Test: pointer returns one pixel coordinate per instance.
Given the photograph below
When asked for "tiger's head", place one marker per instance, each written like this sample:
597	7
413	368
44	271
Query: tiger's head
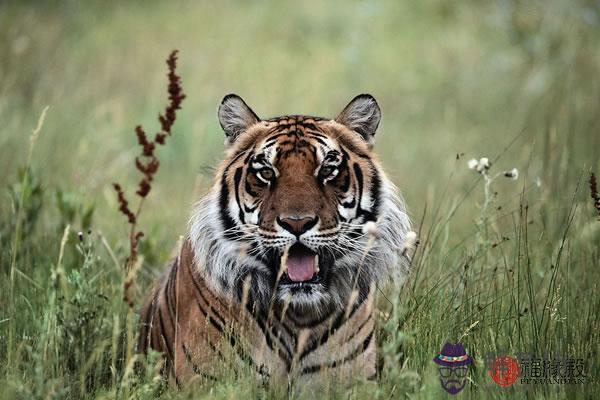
285	220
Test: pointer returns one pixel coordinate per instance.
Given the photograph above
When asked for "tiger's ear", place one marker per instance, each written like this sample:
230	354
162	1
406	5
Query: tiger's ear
235	116
362	115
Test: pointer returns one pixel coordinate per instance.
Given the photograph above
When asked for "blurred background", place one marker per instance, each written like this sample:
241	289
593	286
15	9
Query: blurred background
515	81
464	78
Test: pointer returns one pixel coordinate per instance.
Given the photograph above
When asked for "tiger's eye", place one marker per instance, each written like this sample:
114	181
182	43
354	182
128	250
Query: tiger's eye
326	171
267	174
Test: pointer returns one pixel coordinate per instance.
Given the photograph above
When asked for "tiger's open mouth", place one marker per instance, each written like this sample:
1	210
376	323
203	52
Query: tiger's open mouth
301	266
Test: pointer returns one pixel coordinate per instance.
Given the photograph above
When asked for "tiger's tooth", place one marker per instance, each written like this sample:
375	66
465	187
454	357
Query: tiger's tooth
317	269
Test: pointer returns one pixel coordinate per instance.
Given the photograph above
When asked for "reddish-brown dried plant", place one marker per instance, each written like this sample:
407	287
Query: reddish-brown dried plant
594	192
147	162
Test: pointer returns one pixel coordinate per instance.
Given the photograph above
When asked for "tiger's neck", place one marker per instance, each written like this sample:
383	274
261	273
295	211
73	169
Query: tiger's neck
282	319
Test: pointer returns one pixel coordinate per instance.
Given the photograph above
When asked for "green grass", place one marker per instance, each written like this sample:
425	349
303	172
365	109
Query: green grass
513	81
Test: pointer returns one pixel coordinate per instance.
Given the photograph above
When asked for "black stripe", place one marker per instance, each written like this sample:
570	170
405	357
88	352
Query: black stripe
246	357
299	118
249	189
343	167
237	178
169	291
340	319
311	323
345	185
195	368
162	334
375	190
210	307
247	159
244	274
354	150
308	125
198	289
233	343
147	326
315	133
321	141
232	338
359	350
287	356
289	331
362	325
212	321
349	204
155	332
325	235
366	214
359	180
226	219
270	141
237	157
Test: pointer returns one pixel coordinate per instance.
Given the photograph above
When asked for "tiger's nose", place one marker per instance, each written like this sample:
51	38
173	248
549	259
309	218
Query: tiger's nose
297	226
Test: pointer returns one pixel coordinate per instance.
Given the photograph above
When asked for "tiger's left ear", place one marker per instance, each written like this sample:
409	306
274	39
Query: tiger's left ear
235	117
362	115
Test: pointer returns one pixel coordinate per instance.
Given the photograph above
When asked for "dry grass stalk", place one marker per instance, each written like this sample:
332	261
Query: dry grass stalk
594	193
147	164
17	233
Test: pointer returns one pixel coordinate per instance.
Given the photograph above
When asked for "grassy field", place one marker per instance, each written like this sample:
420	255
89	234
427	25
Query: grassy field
505	267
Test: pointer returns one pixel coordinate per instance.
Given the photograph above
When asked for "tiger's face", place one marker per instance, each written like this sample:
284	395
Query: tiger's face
285	220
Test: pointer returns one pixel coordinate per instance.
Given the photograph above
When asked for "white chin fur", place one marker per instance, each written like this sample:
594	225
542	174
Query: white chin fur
315	298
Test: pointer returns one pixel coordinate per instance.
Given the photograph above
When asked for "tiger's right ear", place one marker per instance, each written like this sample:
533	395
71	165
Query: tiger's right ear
362	115
235	117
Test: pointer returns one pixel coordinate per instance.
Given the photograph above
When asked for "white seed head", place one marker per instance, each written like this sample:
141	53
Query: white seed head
512	174
410	242
484	163
480	166
411	239
371	229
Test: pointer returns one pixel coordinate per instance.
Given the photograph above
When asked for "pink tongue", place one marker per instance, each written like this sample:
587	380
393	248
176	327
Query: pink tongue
300	266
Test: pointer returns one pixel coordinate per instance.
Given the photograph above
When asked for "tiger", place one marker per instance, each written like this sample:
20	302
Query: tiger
278	270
